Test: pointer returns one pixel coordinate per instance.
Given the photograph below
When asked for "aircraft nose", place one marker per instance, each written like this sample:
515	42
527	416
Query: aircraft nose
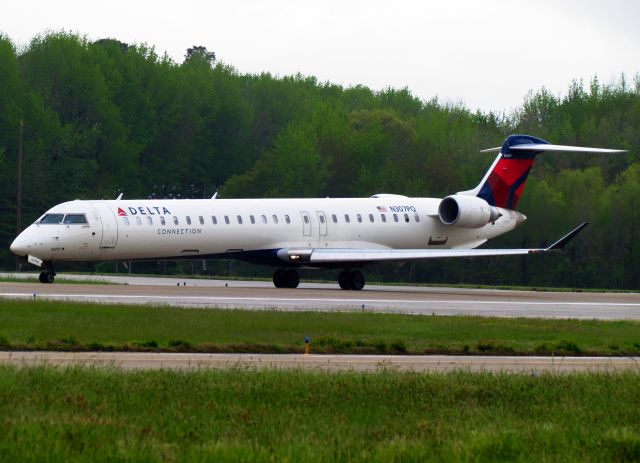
19	246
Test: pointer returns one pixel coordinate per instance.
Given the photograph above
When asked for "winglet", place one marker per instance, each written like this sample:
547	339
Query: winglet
566	238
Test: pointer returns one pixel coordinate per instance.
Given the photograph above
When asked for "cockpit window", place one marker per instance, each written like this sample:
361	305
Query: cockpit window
75	218
51	218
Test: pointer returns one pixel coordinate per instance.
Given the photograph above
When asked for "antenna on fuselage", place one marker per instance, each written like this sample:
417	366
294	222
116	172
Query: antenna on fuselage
119	197
215	195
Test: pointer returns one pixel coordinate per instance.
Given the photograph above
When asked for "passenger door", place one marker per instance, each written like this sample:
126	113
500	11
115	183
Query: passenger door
306	223
109	225
322	224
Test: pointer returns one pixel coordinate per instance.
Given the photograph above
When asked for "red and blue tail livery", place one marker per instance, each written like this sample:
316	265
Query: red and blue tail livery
504	182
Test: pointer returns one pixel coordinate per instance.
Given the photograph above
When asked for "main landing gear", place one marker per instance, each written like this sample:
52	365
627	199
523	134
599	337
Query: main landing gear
351	279
288	278
47	275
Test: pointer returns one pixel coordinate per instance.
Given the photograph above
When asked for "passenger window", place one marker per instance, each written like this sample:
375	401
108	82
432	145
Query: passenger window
149	220
264	219
214	220
188	220
201	220
306	219
126	220
417	217
334	218
138	221
322	219
162	221
252	219
75	218
395	217
226	219
275	218
175	220
371	218
383	217
359	217
287	219
406	218
346	218
240	219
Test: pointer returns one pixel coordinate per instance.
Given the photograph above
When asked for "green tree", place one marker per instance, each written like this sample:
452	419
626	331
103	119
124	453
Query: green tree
294	167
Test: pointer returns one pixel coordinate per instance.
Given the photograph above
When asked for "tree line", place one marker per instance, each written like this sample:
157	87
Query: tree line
105	117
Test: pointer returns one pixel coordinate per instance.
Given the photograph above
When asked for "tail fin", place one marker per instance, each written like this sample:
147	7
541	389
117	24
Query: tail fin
503	183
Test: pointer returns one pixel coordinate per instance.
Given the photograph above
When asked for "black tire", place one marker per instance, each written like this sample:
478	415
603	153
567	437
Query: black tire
292	278
344	279
357	280
279	278
46	277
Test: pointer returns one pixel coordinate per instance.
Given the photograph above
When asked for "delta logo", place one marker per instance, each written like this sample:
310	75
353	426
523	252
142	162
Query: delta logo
144	210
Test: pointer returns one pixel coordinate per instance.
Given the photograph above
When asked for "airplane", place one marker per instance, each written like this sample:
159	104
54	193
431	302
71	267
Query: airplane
343	233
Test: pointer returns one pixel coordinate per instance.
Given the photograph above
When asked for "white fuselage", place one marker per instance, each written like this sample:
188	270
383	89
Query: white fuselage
198	228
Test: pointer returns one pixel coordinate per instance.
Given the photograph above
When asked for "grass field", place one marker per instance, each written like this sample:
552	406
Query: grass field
83	414
82	326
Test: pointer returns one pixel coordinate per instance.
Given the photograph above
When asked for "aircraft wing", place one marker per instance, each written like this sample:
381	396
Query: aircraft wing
362	255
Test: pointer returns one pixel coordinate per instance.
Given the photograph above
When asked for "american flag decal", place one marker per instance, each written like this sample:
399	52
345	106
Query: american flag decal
382	209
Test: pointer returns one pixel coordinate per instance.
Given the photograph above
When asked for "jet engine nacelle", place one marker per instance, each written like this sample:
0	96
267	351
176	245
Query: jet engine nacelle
466	211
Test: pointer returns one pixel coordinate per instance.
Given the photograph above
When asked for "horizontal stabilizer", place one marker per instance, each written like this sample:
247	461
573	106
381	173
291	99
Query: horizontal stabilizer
491	150
549	147
504	182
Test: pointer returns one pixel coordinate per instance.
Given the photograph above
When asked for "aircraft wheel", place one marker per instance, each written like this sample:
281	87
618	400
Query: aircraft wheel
279	278
46	277
357	280
344	279
292	279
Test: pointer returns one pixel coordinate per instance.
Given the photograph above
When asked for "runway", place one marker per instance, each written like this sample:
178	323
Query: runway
436	363
328	297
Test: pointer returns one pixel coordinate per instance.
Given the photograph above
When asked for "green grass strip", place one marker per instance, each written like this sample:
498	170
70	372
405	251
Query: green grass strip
61	279
84	414
85	326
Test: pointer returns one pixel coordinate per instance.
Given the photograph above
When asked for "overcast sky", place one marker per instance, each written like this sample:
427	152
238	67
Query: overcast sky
487	54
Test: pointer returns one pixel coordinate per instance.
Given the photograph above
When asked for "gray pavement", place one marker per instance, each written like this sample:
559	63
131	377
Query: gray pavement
328	297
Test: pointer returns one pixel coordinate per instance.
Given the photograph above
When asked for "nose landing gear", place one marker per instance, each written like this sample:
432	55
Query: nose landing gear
47	275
